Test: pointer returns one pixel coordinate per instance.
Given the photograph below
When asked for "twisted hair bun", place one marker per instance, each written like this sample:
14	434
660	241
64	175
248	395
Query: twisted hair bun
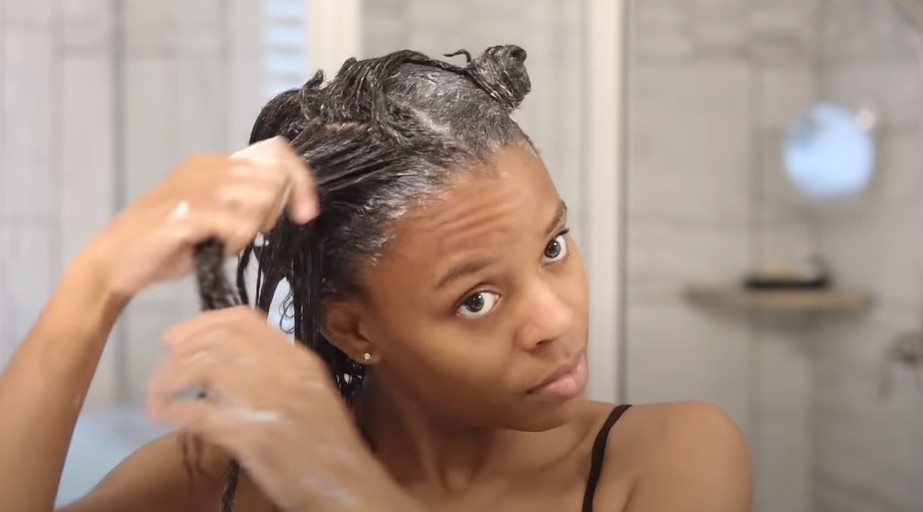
501	72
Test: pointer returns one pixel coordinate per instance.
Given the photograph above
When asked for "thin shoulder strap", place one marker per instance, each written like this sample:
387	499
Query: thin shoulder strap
598	455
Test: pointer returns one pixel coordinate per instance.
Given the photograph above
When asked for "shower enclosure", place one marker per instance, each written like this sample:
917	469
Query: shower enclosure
824	382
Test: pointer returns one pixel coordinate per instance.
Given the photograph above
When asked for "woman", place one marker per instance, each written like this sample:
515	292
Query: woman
435	281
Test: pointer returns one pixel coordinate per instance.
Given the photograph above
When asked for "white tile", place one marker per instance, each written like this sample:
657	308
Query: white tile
868	448
776	199
784	94
878	256
140	13
150	123
783	465
668	46
662	30
426	13
245	72
690	142
87	12
28	173
666	257
783	372
150	27
99	39
246	99
244	33
87	25
202	103
891	87
722	35
87	150
200	42
29	275
844	32
201	13
676	352
28	13
894	191
788	243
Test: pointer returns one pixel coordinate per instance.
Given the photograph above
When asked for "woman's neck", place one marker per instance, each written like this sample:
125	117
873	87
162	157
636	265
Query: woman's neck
420	449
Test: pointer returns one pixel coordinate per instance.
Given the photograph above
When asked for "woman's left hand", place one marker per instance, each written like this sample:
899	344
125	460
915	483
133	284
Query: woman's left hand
271	405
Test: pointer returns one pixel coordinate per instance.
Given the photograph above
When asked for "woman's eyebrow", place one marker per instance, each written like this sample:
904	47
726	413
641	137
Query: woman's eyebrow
557	220
475	266
464	269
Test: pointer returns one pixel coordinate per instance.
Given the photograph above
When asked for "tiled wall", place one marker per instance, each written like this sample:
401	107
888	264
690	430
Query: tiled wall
100	98
56	149
192	83
869	445
713	84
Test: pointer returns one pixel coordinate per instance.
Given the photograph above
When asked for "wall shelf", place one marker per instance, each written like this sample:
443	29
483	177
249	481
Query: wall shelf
788	300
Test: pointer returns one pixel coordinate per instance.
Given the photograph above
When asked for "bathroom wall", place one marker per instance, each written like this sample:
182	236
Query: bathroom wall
868	445
712	85
57	129
101	98
192	75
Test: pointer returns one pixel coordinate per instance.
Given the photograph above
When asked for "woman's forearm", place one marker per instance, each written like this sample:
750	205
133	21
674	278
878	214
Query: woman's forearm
44	386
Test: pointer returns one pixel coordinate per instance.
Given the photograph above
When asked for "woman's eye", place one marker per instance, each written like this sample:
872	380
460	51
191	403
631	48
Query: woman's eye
478	305
556	250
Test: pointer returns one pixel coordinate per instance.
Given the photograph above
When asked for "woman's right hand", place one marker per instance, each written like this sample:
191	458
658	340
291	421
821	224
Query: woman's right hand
231	198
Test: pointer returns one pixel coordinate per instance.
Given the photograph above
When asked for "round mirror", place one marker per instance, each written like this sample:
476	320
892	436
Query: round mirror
830	152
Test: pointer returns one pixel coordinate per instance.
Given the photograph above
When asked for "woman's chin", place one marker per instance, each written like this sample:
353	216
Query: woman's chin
547	416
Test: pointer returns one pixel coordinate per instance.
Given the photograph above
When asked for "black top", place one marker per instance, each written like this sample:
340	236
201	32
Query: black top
599	454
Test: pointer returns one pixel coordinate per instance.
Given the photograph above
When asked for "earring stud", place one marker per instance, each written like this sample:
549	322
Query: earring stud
366	357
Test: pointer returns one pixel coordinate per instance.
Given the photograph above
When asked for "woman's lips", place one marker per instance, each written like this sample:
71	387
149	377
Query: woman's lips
564	384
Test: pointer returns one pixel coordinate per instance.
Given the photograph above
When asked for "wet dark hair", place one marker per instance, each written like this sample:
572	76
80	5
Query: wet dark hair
381	135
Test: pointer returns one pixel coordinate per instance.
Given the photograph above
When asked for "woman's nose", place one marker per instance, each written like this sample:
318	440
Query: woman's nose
547	317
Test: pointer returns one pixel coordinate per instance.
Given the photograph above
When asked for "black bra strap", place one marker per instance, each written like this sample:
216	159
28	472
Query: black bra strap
599	455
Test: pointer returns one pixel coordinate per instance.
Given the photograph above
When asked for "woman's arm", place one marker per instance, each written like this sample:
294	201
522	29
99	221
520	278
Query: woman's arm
43	388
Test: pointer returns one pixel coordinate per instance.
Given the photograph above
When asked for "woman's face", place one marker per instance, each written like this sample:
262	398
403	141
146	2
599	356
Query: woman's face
480	299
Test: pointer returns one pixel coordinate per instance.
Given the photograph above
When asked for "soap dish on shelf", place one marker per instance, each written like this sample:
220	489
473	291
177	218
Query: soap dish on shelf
795	300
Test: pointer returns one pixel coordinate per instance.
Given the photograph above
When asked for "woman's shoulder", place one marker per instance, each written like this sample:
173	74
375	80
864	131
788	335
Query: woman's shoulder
690	452
173	472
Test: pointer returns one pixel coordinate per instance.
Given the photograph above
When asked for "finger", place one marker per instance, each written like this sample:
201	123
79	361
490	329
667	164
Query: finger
236	229
262	200
276	154
181	378
227	319
302	202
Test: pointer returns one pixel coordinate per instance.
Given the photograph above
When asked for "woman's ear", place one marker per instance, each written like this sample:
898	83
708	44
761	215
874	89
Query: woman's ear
343	328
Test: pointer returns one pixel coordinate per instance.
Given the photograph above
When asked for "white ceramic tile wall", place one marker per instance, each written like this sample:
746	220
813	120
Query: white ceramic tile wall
56	142
70	155
192	84
680	167
868	447
713	85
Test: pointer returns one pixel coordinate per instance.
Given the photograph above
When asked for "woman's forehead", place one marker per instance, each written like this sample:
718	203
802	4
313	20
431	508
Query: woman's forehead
479	213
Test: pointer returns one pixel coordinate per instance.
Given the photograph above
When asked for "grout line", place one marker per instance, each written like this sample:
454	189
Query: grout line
119	159
5	349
